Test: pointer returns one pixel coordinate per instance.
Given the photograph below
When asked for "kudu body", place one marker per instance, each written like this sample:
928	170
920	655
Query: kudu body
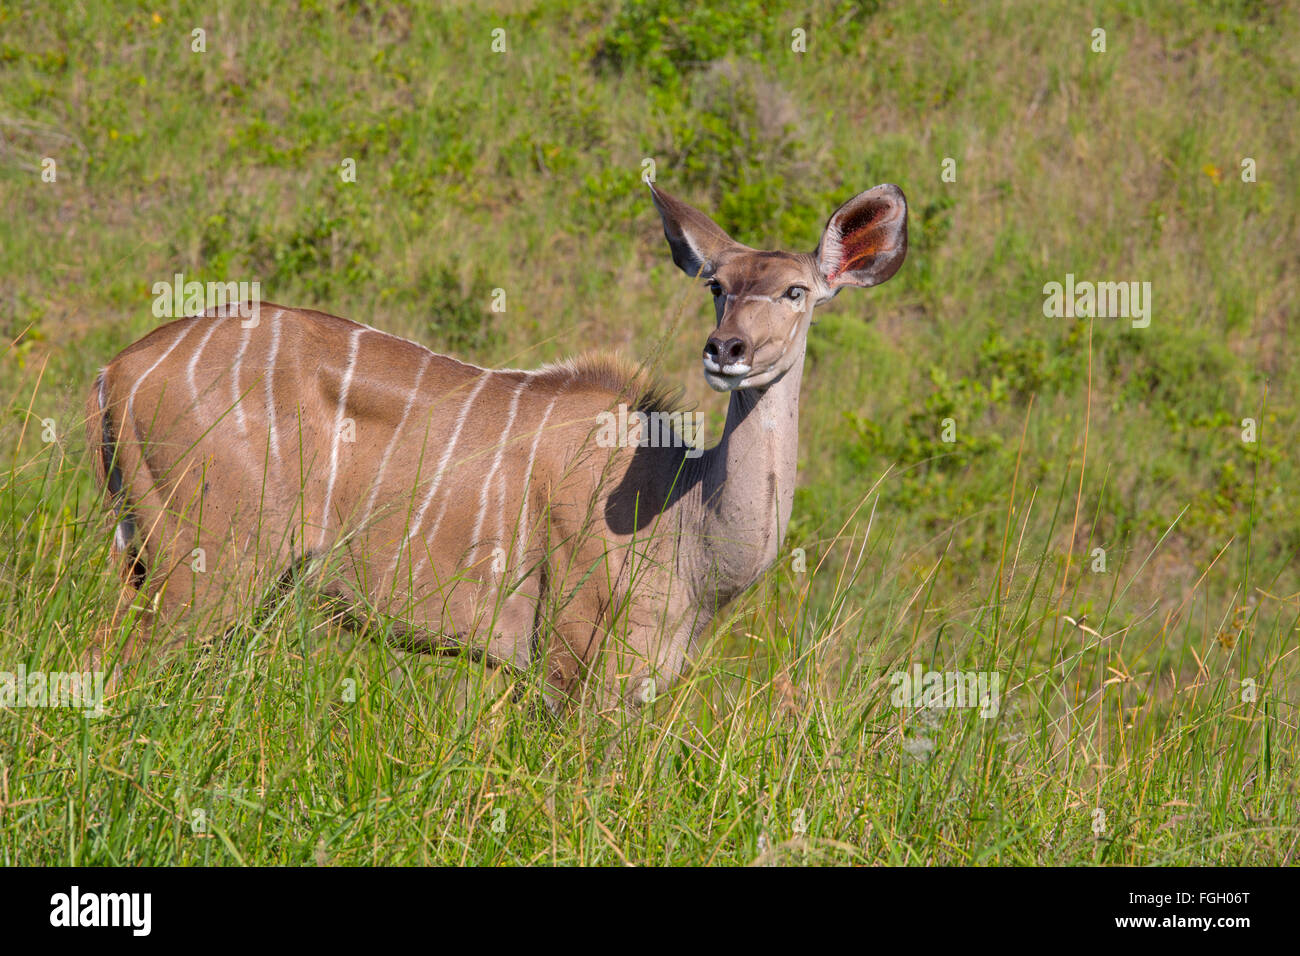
471	507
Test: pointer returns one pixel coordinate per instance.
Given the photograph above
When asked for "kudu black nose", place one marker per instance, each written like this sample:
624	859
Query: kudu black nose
733	351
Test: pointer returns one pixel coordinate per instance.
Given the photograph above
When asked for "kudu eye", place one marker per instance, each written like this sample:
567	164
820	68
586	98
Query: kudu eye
796	293
715	289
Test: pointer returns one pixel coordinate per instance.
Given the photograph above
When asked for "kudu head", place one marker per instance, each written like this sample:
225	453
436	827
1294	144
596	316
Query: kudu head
764	300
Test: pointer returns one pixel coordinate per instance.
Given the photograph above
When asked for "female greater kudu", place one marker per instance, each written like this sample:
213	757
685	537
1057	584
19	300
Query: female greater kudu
474	507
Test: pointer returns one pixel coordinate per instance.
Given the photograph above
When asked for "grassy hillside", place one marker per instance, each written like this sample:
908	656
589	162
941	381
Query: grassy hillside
1155	681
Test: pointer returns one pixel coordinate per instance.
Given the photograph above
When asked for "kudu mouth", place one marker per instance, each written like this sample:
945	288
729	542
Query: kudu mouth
726	378
734	361
742	375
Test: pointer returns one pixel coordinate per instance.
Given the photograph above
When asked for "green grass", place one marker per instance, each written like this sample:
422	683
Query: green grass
295	742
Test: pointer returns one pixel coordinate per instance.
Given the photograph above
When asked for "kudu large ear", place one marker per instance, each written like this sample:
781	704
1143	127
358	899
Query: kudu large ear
866	239
697	242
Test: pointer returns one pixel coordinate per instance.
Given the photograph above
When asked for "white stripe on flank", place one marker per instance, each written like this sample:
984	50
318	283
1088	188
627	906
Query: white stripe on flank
521	533
446	500
130	400
194	359
392	442
270	394
339	415
236	398
442	465
492	472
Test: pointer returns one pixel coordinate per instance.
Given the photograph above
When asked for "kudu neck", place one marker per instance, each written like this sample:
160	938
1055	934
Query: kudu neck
749	478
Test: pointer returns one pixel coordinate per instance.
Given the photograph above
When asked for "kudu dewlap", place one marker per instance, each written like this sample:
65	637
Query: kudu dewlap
471	508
